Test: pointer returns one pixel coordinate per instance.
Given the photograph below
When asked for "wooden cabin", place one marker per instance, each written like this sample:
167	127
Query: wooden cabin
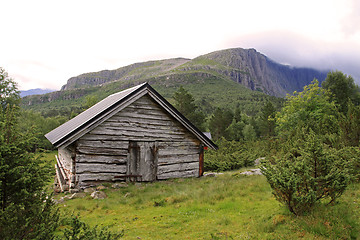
133	135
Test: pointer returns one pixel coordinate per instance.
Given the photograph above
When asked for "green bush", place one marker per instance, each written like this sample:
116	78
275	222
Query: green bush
230	155
79	230
307	172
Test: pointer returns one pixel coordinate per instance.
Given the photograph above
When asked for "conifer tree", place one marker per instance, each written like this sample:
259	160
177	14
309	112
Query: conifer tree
185	103
26	211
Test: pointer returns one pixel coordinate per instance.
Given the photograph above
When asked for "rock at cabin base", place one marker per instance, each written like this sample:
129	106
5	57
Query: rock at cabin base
256	171
98	195
100	187
119	185
89	190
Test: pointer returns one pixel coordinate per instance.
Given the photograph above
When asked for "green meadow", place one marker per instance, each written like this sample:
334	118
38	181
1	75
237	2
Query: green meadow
228	206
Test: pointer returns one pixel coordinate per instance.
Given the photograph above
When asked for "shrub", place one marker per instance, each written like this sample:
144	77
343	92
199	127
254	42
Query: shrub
79	230
306	173
230	155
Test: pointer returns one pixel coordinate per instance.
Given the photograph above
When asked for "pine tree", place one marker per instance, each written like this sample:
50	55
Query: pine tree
185	103
26	211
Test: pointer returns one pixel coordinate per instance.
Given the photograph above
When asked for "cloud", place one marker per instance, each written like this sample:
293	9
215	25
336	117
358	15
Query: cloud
299	51
350	23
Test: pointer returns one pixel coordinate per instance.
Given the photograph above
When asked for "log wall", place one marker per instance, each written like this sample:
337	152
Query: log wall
103	153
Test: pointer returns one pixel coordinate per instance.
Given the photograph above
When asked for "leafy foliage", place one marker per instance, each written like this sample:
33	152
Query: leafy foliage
220	121
81	231
309	109
311	165
39	125
9	94
231	155
26	211
343	89
185	103
307	172
267	120
350	126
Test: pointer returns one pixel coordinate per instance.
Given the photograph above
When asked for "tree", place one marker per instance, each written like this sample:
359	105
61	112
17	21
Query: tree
185	103
9	94
343	89
306	172
26	211
308	166
235	131
310	109
267	120
220	121
249	133
90	101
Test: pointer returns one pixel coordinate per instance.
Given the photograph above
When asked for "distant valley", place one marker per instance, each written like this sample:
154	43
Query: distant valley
36	91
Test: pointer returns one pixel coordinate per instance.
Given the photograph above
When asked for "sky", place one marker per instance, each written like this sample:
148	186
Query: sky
44	43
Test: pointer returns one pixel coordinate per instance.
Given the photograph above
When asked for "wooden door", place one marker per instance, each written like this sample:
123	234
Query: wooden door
142	163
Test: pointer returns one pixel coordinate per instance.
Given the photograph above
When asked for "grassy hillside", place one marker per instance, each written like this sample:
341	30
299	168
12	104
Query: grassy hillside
209	90
229	206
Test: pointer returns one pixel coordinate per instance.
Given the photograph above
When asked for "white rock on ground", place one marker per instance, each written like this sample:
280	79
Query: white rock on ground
255	171
98	195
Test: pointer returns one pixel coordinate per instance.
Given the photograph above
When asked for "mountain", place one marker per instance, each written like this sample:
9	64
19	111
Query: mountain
244	66
36	91
229	78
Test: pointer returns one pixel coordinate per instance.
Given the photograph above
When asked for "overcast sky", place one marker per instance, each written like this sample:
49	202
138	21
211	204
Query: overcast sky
44	43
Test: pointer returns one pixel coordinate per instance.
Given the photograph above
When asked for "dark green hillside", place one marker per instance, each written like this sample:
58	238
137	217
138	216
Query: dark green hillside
209	90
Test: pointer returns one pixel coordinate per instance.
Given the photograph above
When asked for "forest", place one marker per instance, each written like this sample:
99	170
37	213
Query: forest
308	143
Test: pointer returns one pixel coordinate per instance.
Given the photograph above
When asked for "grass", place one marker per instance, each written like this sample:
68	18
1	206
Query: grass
229	206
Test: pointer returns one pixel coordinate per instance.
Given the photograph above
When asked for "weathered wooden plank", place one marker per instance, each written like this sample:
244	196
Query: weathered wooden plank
164	152
139	132
103	143
181	144
127	134
64	155
134	126
131	138
61	168
100	136
87	158
183	174
177	167
164	160
145	116
146	101
102	151
59	179
141	120
100	168
95	177
145	110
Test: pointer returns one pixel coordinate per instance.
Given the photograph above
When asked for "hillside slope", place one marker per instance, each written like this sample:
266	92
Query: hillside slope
227	78
244	66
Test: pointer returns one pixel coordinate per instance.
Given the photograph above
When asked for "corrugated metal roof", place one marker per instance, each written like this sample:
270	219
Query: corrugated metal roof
66	131
63	130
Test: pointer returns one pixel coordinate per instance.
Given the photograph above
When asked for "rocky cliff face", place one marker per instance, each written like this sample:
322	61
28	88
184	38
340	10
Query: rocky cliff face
257	72
244	66
134	71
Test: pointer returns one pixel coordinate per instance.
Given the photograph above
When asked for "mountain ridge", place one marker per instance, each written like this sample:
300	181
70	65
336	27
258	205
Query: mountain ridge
248	67
231	78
